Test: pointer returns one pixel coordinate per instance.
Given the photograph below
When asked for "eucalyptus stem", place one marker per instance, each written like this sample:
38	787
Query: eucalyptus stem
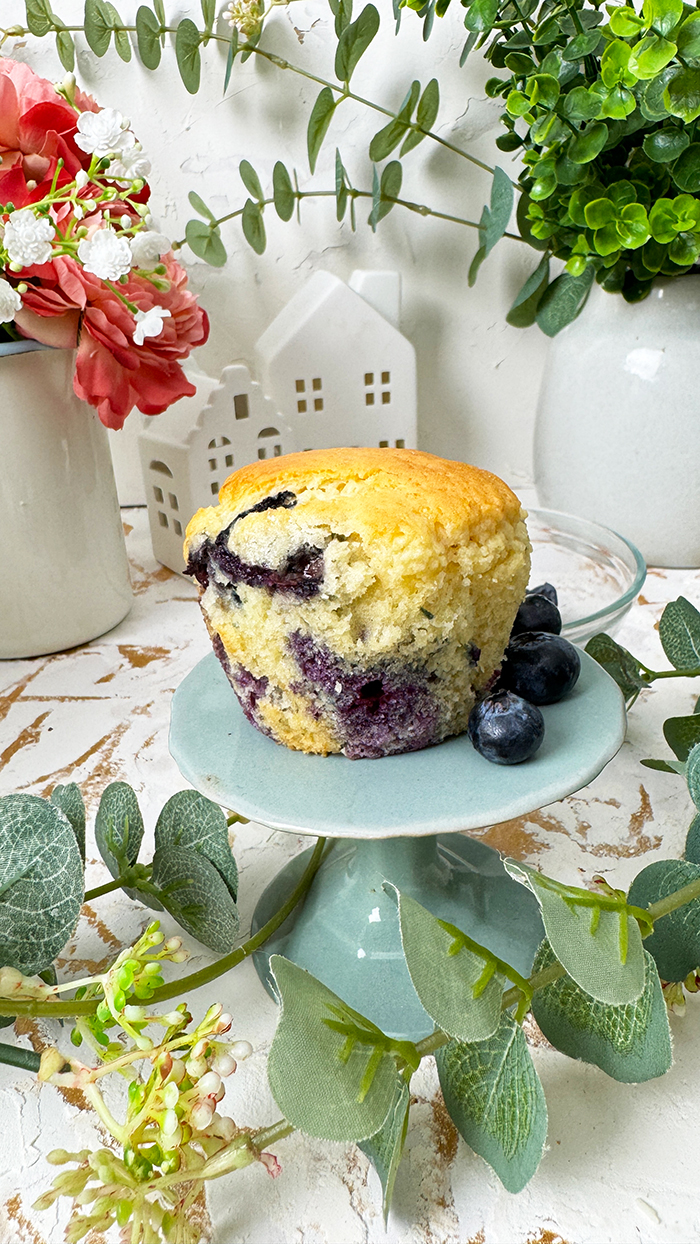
270	1135
16	1056
194	980
652	675
673	901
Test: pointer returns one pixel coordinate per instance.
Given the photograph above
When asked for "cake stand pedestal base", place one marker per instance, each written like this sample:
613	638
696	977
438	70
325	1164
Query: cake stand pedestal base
347	932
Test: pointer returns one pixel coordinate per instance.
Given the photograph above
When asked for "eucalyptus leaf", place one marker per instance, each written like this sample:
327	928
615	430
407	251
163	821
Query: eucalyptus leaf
341	190
663	766
119	830
682	734
389	189
563	301
679	632
70	801
426	115
495	1099
692	775
481	15
524	309
190	821
630	1043
230	56
250	180
194	892
121	38
97	26
692	842
500	208
316	1085
675	942
200	206
354	41
41	882
475	264
39	17
66	49
282	192
253	226
601	950
147	37
385	1148
618	663
445	981
187	54
319	121
205	242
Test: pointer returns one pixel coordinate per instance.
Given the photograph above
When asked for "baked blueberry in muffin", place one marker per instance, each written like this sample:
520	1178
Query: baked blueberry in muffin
360	599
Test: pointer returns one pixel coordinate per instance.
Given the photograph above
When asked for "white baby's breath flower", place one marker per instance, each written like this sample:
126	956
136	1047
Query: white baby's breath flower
147	248
78	211
131	165
105	255
104	133
10	302
81	179
28	238
149	323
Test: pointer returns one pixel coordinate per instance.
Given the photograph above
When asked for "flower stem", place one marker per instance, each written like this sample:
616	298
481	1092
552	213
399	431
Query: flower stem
16	1056
673	901
103	889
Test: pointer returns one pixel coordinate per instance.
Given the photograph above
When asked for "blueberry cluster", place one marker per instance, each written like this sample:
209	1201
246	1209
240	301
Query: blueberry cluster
539	667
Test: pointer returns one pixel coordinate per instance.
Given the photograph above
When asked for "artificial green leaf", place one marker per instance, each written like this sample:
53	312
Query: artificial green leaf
453	987
70	801
679	632
354	41
675	942
520	64
682	95
663	15
664	766
41	882
481	15
98	27
615	67
189	61
682	734
475	264
633	226
200	206
341	189
119	830
686	170
692	842
386	139
684	249
494	1097
518	105
692	774
688	37
547	32
253	226
208	8
617	103
543	89
40	18
580	105
601	950
205	242
306	1051
384	192
194	892
66	49
619	664
230	56
428	107
506	142
625	23
282	192
385	1148
665	145
563	300
585	146
319	121
190	821
121	38
250	180
524	309
147	37
630	1043
650	56
499	211
582	45
652	104
599	213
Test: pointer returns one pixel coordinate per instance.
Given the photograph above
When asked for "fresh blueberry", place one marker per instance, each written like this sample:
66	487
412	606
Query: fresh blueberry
537	613
544	589
542	668
505	729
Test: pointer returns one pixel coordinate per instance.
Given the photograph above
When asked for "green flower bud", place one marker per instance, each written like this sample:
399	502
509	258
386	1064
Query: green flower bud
124	1209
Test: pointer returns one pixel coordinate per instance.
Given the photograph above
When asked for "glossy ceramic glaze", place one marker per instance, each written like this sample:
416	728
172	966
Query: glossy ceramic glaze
617	438
65	568
438	790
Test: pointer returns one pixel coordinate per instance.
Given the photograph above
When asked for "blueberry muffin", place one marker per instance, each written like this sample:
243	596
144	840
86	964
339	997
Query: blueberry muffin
360	599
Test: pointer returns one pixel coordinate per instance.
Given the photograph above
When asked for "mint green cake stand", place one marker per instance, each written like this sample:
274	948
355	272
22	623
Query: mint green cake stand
396	819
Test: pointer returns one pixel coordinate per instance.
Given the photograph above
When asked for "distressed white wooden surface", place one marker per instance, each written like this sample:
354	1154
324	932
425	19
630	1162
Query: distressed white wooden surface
622	1164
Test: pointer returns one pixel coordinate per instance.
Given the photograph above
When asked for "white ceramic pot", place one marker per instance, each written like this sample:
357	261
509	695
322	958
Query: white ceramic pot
65	573
617	437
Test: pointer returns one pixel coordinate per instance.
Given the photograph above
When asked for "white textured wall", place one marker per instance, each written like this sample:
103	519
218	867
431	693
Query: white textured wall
477	378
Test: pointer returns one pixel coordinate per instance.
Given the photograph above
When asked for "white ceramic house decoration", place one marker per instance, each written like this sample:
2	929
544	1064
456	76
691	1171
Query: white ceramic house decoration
336	365
188	452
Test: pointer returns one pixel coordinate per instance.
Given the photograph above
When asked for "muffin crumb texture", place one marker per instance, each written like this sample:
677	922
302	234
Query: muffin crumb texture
360	599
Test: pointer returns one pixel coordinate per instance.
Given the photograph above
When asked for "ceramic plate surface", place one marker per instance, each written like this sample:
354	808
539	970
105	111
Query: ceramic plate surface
437	790
597	573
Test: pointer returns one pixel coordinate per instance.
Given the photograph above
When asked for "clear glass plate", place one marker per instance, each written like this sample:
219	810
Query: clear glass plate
597	573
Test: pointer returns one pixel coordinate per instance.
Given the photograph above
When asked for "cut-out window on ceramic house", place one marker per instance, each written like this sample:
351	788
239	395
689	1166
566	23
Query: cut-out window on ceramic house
271	448
161	467
309	395
241	406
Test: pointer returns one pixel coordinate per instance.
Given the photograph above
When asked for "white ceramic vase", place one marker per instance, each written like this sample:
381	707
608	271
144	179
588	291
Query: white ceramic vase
65	573
617	437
